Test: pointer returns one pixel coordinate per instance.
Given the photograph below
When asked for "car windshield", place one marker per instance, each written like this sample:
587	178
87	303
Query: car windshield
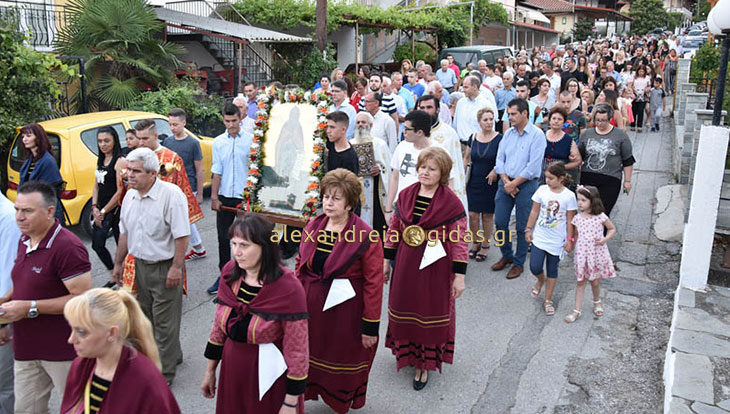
695	33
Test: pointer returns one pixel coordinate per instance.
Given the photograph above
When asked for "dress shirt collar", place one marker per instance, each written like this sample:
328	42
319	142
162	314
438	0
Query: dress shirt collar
152	193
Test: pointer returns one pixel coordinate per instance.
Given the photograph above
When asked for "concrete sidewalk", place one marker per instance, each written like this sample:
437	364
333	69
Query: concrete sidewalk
510	357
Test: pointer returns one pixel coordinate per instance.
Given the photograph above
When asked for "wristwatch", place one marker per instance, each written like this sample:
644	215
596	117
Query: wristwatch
33	312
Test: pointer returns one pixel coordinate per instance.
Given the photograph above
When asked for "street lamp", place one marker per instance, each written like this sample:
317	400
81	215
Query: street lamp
718	21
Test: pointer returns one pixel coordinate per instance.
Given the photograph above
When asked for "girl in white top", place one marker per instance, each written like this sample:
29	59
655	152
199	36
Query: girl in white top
550	230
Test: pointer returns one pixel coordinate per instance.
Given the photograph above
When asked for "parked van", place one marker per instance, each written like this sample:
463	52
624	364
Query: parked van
465	54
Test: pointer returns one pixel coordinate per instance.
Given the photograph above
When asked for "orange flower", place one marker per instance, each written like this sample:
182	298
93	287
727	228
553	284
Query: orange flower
322	125
256	138
312	200
261	104
252	152
253	171
315	164
312	186
249	184
323	110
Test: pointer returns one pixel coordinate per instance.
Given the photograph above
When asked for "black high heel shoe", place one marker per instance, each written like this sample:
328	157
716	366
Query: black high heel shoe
418	385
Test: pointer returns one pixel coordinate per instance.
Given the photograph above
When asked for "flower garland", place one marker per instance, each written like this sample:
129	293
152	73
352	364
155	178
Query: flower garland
267	98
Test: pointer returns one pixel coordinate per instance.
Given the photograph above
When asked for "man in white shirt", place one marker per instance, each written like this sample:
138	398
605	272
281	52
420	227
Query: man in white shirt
340	103
444	114
400	103
492	81
465	116
247	124
383	124
8	252
405	157
554	78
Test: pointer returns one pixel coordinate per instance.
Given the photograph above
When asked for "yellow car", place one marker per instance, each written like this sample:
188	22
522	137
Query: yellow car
73	140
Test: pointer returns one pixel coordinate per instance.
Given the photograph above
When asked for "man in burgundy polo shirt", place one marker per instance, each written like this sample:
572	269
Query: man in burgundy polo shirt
52	266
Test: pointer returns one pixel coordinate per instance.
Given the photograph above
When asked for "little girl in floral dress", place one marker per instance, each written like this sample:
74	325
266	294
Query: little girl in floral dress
591	260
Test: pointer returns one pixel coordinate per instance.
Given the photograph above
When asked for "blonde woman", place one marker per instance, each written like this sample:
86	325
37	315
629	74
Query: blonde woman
118	367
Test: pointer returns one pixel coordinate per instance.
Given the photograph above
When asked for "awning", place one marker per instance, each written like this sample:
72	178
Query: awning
241	31
533	15
535	27
601	13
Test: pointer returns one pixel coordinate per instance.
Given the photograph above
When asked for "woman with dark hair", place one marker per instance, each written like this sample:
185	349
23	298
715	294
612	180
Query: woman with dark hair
641	83
261	309
543	100
361	89
343	335
324	84
560	146
40	164
607	157
350	85
425	286
105	195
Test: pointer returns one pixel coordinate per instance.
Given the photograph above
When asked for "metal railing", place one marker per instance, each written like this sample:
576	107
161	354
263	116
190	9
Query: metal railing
708	85
39	22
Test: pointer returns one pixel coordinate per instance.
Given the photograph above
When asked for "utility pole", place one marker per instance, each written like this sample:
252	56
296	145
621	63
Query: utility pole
321	24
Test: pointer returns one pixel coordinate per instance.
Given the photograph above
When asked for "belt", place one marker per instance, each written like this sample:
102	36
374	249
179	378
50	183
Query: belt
152	262
512	178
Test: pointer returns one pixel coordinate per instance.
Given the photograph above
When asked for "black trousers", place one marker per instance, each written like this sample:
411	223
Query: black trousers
638	108
223	221
100	234
608	187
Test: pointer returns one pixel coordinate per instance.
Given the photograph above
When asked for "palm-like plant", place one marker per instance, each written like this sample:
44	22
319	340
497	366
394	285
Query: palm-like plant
122	55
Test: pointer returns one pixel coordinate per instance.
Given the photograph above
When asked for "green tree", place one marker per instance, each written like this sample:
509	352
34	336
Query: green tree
583	29
28	84
203	111
123	56
423	52
305	64
648	15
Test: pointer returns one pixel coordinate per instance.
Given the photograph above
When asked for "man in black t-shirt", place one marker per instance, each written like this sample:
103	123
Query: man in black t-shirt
340	153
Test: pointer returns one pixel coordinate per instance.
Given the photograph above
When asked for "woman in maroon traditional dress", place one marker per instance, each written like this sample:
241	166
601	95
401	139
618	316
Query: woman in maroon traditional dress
342	339
118	367
421	320
259	303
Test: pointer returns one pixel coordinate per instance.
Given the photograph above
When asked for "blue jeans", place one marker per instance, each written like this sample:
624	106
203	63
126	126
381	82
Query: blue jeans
503	204
538	257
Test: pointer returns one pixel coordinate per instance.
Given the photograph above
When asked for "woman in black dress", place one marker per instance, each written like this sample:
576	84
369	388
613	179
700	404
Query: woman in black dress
481	184
560	146
105	195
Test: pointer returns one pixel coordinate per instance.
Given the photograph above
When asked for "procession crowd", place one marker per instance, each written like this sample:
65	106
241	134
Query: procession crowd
457	151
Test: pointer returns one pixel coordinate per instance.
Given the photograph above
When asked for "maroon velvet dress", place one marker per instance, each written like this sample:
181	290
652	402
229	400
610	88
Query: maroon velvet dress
421	311
137	387
338	363
275	313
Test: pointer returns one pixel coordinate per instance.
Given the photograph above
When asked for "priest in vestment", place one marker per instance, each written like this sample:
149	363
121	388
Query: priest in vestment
374	182
172	170
448	138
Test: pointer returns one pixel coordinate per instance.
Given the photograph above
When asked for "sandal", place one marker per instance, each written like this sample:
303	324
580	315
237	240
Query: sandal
534	293
572	316
473	253
597	308
549	309
479	257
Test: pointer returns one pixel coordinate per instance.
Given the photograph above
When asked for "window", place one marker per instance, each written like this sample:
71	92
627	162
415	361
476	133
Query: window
162	127
89	137
565	20
18	153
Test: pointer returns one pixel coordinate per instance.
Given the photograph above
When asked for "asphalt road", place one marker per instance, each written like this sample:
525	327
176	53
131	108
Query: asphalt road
510	357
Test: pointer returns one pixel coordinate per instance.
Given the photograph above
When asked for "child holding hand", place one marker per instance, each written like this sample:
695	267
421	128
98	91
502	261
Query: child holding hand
591	260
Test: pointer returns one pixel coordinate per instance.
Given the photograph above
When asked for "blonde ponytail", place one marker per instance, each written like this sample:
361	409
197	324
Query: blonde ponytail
139	331
105	308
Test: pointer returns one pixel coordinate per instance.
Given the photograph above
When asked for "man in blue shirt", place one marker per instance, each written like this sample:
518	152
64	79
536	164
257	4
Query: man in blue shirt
230	171
249	89
519	161
416	88
446	76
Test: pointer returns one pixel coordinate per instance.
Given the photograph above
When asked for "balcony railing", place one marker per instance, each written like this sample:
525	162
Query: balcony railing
39	22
